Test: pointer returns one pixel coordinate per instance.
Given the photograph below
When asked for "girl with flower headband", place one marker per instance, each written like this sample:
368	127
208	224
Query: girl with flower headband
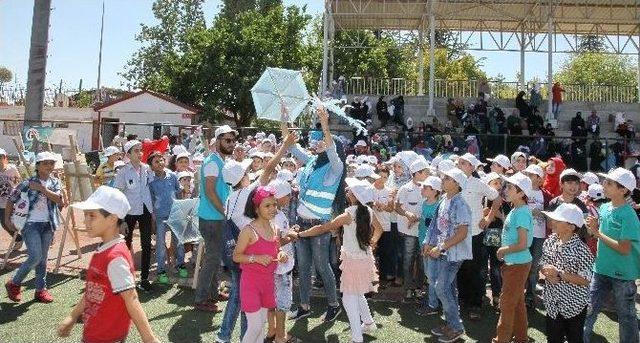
258	252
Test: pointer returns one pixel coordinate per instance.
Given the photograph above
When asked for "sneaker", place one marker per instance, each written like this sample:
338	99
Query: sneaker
144	286
440	331
369	328
299	313
206	307
43	296
14	291
183	273
450	336
426	311
163	279
332	313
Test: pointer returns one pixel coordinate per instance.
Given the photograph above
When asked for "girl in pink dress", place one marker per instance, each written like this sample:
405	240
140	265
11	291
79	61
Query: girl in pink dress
361	231
258	252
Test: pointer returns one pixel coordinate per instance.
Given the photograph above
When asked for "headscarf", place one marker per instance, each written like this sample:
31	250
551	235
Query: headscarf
552	181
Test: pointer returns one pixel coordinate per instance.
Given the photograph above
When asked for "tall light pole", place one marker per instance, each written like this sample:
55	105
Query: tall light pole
37	60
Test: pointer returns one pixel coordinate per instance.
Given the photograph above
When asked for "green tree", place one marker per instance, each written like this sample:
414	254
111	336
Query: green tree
5	75
591	43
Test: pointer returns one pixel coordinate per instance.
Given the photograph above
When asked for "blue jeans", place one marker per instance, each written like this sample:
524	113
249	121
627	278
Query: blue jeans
536	253
232	310
37	237
161	248
432	299
624	292
445	273
409	257
315	249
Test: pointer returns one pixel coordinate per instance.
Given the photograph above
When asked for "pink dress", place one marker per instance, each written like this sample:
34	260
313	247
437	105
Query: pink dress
359	274
257	289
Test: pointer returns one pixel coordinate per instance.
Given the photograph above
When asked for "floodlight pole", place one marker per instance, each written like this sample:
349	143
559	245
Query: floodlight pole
420	61
432	63
523	47
550	63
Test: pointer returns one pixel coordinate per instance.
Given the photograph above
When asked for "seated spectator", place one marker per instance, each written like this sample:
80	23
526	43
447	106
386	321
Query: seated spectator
535	121
382	112
452	113
578	126
593	124
535	98
514	125
522	105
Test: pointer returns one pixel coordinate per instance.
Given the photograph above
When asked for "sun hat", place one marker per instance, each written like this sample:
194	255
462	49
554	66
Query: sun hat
223	130
106	198
590	178
596	192
622	176
534	169
568	213
233	171
433	182
522	181
501	160
362	190
108	151
130	144
457	175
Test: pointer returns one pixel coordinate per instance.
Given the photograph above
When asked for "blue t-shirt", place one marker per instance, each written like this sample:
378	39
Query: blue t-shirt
620	223
163	193
428	212
519	217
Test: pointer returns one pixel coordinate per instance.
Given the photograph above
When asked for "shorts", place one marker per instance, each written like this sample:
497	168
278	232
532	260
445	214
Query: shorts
257	291
284	291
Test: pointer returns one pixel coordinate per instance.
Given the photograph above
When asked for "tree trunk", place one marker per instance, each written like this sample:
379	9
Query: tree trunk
37	60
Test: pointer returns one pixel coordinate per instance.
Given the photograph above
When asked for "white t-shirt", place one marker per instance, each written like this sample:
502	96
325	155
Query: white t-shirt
536	202
282	225
236	203
383	196
40	213
410	199
473	193
9	179
211	169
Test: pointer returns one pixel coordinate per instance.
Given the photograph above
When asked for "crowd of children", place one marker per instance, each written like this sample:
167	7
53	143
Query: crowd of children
441	229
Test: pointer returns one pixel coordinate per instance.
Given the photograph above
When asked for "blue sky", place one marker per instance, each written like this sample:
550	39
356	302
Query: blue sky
75	30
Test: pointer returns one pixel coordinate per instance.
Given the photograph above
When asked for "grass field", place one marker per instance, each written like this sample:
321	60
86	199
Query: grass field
174	320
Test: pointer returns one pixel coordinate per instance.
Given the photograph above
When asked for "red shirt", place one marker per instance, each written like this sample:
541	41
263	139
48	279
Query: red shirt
105	315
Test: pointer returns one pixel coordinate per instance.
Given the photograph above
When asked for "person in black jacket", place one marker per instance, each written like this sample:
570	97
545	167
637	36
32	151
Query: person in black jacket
382	111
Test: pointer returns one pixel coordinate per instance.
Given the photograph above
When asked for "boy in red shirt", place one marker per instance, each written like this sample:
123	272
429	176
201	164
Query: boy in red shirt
110	301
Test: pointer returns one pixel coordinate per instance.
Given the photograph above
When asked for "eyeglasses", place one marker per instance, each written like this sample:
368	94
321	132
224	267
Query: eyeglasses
229	140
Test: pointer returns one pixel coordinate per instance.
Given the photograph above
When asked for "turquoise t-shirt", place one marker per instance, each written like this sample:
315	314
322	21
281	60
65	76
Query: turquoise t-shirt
519	217
428	212
619	223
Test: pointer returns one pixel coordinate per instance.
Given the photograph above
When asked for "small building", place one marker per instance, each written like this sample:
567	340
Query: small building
150	112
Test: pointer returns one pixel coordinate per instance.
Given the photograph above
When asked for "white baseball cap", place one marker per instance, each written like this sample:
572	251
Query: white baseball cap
522	181
419	164
501	160
568	213
285	175
45	156
490	177
182	155
361	143
351	159
623	177
106	198
256	153
178	149
471	159
372	160
233	171
224	129
445	165
110	151
595	192
362	190
534	169
365	170
570	172
590	178
184	174
282	188
130	144
3	152
433	182
457	175
515	155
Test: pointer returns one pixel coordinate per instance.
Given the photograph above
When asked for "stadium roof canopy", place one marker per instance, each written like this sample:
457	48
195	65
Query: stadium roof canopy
594	17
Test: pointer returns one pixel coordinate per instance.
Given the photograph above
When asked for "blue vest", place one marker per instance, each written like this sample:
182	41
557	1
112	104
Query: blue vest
206	210
316	196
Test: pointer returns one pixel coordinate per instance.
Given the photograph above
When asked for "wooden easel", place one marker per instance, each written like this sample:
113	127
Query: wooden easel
70	218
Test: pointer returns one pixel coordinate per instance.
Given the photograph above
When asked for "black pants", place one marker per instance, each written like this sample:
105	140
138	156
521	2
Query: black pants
386	259
472	277
144	223
569	329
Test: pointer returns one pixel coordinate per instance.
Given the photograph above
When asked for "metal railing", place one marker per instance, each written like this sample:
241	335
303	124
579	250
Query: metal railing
499	89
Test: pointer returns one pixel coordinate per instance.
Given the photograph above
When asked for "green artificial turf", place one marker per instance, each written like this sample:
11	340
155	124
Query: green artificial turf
174	320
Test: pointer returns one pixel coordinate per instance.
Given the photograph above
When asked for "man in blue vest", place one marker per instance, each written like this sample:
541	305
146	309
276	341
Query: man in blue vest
320	181
213	195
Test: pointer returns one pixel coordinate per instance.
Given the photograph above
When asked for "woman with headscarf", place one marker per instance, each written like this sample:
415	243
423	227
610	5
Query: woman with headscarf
551	184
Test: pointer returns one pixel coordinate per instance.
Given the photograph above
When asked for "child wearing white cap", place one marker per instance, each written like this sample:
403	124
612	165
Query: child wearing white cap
517	235
361	231
110	301
9	179
45	198
617	265
566	264
106	171
448	243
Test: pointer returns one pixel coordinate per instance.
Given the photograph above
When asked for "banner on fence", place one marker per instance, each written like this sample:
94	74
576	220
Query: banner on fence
45	134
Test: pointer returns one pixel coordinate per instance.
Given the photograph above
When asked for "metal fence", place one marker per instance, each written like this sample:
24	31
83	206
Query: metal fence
499	89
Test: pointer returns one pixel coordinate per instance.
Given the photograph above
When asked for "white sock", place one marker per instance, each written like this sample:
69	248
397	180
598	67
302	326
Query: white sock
255	326
351	303
365	313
